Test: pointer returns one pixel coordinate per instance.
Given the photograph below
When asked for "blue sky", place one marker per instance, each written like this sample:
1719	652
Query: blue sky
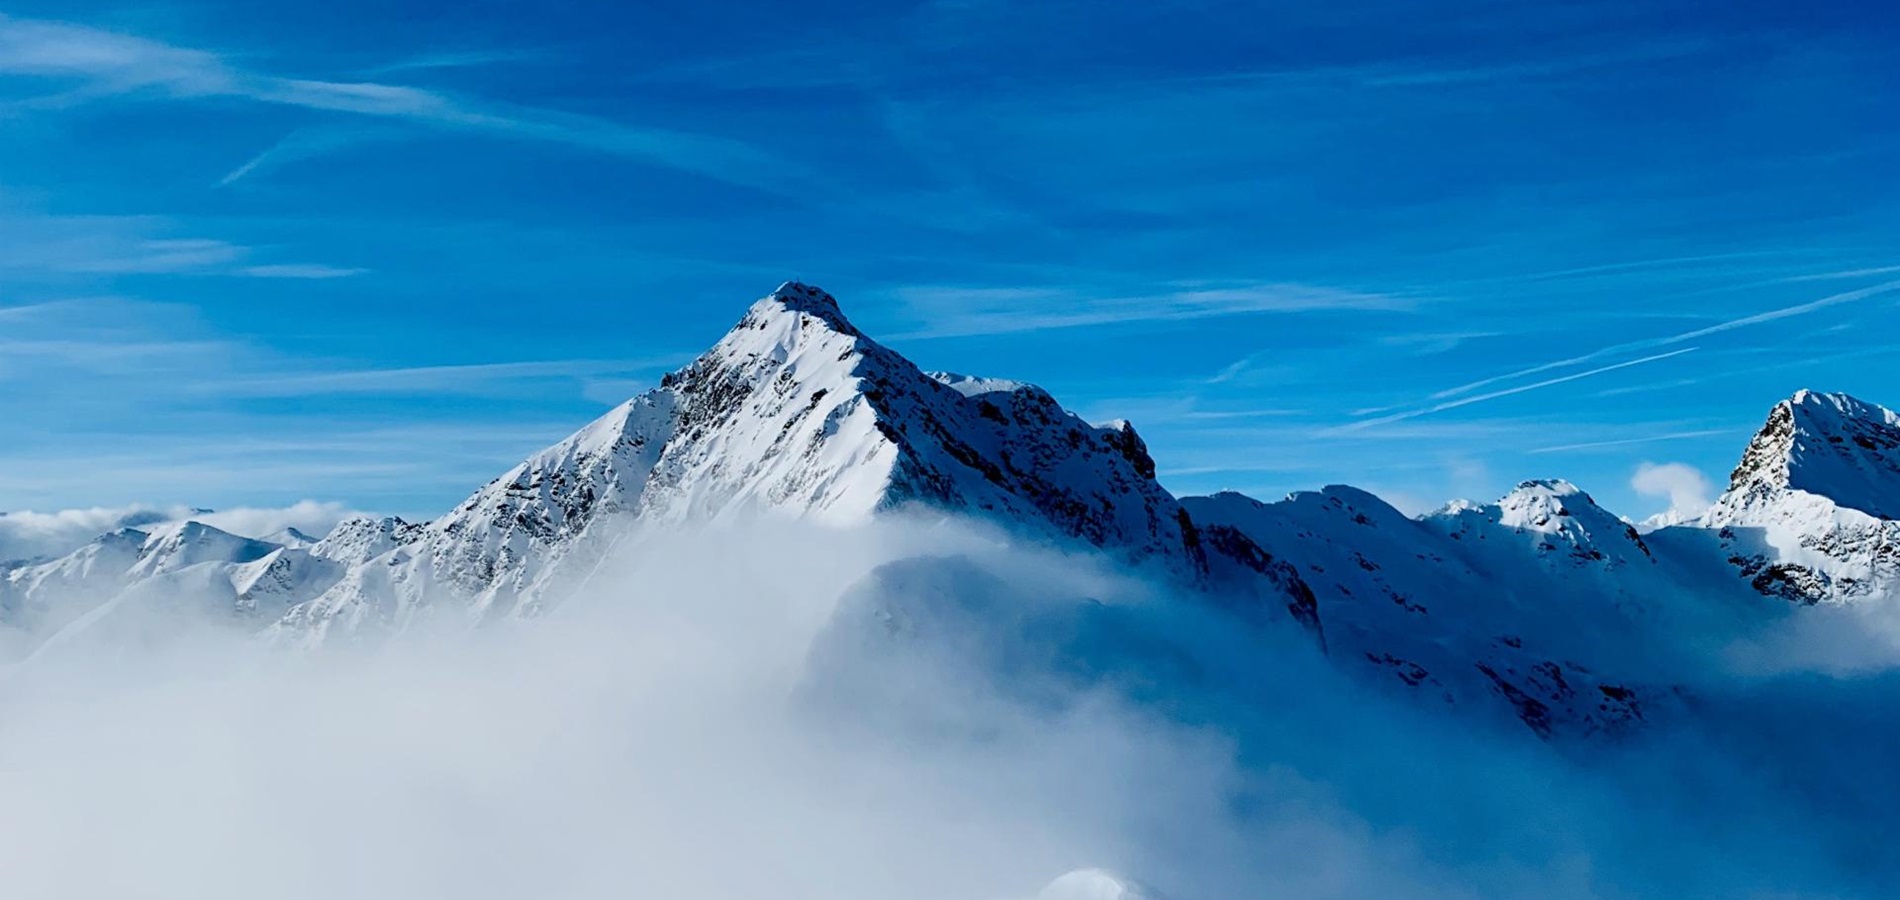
375	252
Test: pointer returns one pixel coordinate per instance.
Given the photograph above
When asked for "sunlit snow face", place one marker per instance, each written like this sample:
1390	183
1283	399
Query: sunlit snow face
682	732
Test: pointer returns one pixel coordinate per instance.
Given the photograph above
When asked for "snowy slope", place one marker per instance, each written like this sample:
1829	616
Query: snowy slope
1476	606
44	596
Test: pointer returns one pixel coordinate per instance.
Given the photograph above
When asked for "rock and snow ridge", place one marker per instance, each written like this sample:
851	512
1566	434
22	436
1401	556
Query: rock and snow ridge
1829	445
1810	512
1536	606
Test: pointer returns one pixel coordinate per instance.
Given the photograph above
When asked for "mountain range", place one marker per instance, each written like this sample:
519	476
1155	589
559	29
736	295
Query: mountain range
1541	608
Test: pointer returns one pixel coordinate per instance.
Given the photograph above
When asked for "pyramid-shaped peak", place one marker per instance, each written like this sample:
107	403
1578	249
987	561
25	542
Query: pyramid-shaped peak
290	536
796	332
190	531
1828	444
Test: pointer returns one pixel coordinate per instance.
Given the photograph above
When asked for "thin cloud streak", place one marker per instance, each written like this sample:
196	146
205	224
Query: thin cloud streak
112	64
465	59
1480	398
972	312
1235	369
1625	442
309	271
159	256
110	245
1718	328
475	378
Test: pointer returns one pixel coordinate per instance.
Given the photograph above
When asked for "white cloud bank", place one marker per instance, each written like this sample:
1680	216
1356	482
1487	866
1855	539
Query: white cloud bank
711	722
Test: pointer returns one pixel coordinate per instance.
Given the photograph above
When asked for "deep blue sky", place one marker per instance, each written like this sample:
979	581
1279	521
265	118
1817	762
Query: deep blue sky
375	252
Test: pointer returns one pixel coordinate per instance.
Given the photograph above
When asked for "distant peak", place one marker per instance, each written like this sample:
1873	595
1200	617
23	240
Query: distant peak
192	530
1557	487
1535	499
367	522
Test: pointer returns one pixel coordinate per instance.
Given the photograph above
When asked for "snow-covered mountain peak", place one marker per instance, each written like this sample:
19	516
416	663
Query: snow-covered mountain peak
1829	445
810	300
172	547
1544	504
290	536
359	538
1812	512
1558	518
778	326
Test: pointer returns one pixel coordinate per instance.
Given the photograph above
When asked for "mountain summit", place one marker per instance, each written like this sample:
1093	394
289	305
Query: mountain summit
1829	445
1810	512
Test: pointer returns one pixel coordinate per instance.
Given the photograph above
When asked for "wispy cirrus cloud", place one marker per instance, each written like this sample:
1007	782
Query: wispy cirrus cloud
1629	442
233	463
207	409
53	245
473	378
1462	395
967	312
158	256
459	59
302	143
130	342
1510	391
106	63
1760	318
306	271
